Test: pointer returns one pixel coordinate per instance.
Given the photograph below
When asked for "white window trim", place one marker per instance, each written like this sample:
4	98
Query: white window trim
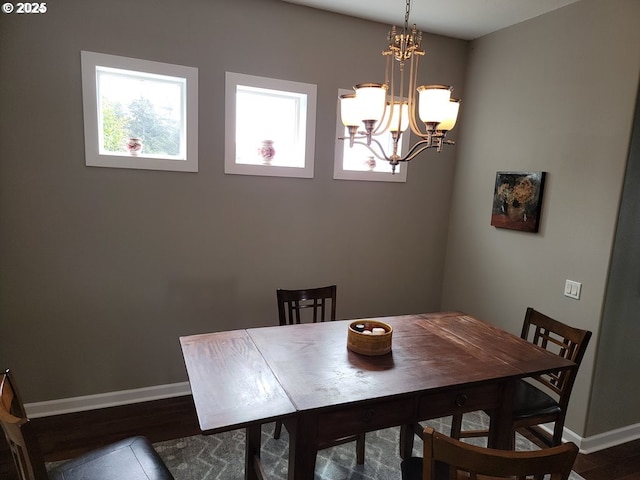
93	157
232	80
339	173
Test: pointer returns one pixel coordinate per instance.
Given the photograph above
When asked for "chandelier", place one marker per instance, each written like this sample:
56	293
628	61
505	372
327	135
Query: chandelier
391	107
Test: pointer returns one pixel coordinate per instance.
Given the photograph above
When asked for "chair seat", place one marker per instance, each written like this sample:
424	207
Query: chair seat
533	402
131	459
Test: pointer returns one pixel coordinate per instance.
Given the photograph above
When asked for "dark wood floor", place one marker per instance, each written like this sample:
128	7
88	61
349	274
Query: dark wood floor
616	463
65	436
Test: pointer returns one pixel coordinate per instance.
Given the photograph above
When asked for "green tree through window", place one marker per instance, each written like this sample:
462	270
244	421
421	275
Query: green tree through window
159	133
115	124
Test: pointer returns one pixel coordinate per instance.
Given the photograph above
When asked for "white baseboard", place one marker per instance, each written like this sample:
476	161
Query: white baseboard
103	400
601	441
92	402
611	438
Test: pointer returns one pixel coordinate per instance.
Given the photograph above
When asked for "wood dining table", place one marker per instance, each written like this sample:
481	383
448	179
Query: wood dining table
440	364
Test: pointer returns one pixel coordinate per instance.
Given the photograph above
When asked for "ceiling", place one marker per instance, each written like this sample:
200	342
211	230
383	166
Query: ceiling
465	19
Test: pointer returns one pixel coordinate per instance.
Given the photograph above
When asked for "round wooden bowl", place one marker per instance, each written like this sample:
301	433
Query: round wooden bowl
369	344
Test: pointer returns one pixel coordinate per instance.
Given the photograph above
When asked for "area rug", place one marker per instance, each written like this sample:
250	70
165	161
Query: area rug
221	456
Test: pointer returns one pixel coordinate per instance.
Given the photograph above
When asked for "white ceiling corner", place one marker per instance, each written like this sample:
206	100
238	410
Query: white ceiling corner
464	19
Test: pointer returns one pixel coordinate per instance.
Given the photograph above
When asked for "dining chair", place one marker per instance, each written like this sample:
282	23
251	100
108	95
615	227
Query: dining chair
446	458
132	458
543	398
291	304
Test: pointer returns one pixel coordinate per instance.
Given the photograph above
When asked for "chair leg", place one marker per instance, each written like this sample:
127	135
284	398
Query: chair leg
278	430
456	426
558	430
360	443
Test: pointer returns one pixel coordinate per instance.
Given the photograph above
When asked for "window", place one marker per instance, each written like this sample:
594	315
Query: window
358	163
139	114
270	126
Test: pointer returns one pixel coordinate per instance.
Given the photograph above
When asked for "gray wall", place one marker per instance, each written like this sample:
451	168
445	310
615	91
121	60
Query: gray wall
555	94
614	402
103	269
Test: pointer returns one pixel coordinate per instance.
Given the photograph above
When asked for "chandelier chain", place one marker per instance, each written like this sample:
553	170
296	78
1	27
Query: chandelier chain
406	15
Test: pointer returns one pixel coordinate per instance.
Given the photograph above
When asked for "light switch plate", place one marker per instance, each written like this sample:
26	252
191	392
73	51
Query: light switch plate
572	289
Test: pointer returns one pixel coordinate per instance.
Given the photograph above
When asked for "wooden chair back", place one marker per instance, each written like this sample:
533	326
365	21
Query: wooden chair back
19	432
292	302
473	462
563	340
544	398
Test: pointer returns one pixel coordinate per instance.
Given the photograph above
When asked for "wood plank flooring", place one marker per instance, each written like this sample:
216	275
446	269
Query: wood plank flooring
65	436
616	463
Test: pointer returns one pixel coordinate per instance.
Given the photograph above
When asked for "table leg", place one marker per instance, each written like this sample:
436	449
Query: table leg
252	452
406	441
303	447
501	428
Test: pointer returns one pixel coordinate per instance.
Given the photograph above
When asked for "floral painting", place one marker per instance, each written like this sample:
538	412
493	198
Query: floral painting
517	200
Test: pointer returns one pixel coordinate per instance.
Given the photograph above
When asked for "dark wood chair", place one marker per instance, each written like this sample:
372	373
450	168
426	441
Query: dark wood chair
127	459
544	398
321	303
445	458
292	302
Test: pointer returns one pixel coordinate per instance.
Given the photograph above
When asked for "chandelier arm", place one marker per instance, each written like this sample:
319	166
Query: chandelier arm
412	99
417	149
415	127
389	59
401	96
392	99
379	155
401	89
382	127
413	152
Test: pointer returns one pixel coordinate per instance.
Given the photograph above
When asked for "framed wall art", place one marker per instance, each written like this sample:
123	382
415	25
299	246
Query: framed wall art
517	200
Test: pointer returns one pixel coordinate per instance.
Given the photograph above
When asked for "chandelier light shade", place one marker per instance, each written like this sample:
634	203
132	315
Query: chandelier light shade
349	112
399	103
433	103
451	116
370	98
399	112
